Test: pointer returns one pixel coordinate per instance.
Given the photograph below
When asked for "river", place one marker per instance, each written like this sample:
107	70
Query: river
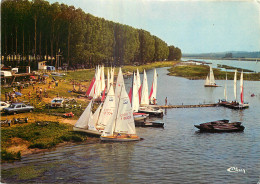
250	65
177	153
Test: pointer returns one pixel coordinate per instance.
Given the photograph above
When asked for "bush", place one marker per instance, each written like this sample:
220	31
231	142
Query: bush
10	156
74	138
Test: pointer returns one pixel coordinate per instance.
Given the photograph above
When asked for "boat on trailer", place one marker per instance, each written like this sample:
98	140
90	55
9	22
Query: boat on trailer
220	126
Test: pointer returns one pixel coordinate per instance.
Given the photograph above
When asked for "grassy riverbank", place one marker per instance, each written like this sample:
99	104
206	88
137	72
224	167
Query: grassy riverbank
195	72
33	137
149	66
22	139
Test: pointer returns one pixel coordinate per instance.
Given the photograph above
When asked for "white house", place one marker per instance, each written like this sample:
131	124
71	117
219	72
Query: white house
42	65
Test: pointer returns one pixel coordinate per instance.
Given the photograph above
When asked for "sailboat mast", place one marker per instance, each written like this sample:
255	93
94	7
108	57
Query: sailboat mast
225	91
235	85
241	88
132	89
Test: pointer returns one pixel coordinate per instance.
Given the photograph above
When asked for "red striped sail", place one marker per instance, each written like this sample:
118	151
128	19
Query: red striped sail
151	92
140	93
103	95
130	95
91	86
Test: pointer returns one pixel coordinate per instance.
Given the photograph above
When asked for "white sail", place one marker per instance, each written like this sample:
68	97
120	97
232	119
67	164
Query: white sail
92	90
94	118
84	118
108	79
207	80
102	78
138	79
145	98
135	95
108	109
225	90
235	85
119	83
154	86
91	125
112	76
210	80
241	88
124	122
97	89
211	77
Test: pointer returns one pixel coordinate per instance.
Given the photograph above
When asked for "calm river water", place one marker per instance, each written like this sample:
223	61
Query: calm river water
176	154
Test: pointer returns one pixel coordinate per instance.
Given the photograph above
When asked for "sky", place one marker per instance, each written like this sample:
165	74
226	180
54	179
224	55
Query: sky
195	26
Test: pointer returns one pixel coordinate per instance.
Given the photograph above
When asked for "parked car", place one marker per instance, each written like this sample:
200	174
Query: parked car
57	102
3	105
18	108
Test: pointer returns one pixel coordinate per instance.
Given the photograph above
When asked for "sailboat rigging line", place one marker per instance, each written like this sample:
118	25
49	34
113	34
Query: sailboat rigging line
117	107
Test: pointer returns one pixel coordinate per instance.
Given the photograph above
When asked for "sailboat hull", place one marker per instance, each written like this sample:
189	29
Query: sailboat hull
233	105
119	139
209	85
90	132
151	111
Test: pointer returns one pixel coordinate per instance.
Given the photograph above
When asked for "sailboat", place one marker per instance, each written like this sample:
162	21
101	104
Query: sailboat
225	89
224	101
138	82
210	80
135	95
134	100
96	123
235	104
144	106
85	122
121	127
242	105
153	92
144	98
108	109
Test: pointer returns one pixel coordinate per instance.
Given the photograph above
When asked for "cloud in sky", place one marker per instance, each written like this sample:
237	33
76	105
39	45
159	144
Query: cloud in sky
194	26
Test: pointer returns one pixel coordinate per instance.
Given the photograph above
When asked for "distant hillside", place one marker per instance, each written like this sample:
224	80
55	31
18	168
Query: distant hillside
231	54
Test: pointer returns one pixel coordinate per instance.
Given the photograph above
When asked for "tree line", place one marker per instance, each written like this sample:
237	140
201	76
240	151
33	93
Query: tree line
40	29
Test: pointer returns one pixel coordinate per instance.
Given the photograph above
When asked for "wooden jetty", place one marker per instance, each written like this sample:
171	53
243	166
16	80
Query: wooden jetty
187	106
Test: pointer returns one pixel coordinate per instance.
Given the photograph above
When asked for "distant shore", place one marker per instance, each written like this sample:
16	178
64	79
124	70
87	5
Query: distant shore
200	72
212	58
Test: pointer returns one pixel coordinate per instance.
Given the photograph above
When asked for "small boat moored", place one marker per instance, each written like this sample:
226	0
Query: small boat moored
220	126
140	117
149	124
151	110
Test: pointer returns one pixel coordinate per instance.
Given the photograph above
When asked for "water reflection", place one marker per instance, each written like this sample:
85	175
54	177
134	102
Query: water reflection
116	159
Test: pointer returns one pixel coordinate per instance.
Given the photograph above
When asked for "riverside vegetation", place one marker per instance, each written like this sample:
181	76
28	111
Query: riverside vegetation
195	72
